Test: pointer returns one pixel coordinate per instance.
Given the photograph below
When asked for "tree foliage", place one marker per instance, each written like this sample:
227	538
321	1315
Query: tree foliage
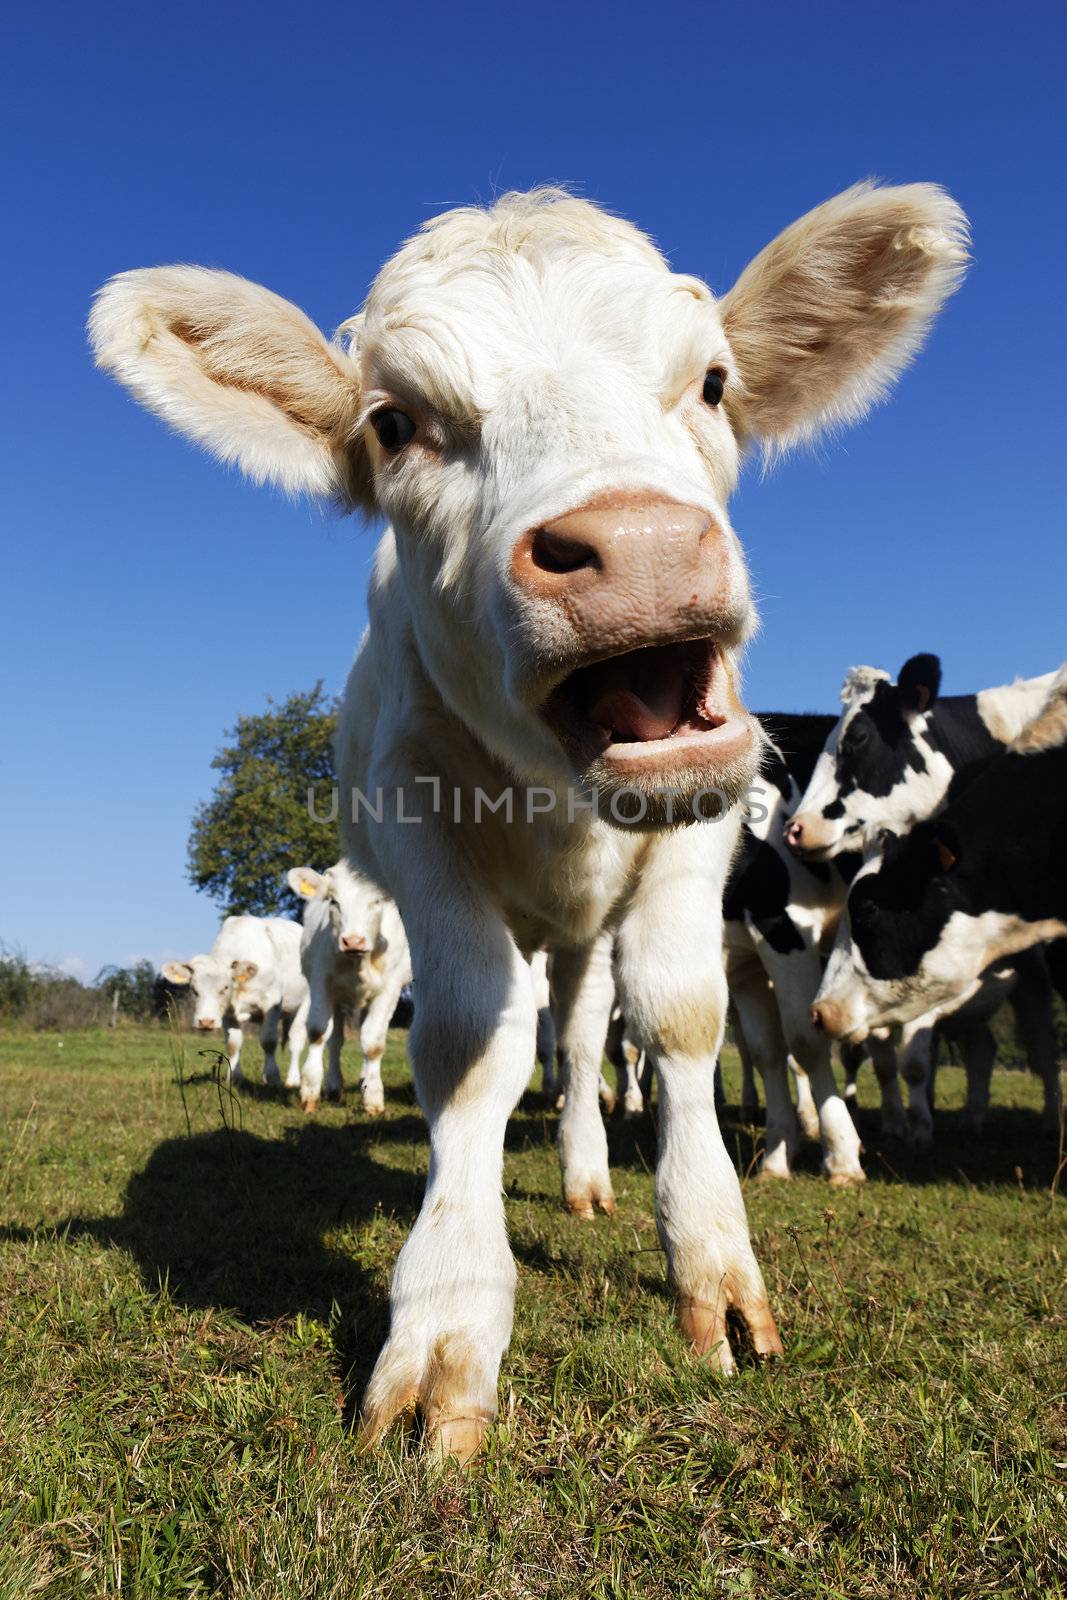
258	823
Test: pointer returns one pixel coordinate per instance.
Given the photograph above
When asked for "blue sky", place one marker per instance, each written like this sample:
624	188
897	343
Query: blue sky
152	596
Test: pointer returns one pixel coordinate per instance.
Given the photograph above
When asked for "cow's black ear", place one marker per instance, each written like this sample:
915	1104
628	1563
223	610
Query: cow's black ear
919	682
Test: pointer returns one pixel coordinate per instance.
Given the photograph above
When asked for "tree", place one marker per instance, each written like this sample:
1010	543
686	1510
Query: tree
139	990
258	823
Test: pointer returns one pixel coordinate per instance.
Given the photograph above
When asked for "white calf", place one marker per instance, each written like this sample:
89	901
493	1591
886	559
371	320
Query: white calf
551	422
251	974
355	959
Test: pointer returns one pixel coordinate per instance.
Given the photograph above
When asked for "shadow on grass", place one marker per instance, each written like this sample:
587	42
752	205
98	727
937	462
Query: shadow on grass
235	1222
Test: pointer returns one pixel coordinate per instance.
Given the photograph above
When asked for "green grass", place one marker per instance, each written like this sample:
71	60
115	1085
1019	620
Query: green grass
193	1289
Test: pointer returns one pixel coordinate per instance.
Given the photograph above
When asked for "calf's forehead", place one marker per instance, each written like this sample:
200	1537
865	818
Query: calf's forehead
464	326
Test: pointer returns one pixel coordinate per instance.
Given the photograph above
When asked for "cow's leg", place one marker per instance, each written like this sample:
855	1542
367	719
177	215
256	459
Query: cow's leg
674	995
979	1050
915	1058
749	1096
796	978
884	1061
268	1039
852	1058
453	1289
373	1036
1031	1002
320	1024
546	1054
334	1086
757	1014
298	1038
807	1110
234	1041
583	992
626	1058
551	1084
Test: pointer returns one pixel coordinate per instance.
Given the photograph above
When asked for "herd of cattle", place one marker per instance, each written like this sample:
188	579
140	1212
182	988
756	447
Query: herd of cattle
800	890
549	422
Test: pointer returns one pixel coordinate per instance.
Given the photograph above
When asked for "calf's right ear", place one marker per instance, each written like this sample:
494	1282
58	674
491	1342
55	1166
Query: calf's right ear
239	370
306	882
179	972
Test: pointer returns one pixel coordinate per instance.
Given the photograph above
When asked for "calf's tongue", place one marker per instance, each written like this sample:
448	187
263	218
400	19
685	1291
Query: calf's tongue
651	712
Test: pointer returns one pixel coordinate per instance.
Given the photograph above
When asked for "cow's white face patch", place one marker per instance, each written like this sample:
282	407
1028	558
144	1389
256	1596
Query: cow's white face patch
213	989
355	908
878	770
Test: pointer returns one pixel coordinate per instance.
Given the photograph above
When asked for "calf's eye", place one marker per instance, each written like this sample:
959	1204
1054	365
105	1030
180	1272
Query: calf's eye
394	428
714	384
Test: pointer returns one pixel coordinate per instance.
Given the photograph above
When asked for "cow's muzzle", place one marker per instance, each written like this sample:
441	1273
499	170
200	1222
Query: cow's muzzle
352	943
811	836
645	596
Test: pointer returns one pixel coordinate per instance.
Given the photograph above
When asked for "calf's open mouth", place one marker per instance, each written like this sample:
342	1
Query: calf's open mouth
661	705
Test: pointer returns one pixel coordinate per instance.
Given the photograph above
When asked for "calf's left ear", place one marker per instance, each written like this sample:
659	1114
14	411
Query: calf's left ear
240	371
824	318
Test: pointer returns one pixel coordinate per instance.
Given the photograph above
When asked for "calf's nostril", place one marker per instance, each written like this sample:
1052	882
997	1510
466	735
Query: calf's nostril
560	552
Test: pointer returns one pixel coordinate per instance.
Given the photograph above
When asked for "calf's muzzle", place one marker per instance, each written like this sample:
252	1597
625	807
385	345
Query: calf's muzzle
627	570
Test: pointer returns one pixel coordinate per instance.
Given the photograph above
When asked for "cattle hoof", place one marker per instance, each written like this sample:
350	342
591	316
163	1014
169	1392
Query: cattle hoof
586	1206
607	1103
333	1097
705	1328
374	1109
309	1103
768	1174
847	1180
458	1439
293	1081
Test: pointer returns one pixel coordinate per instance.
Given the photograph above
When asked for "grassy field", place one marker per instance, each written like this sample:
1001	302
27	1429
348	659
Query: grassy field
194	1289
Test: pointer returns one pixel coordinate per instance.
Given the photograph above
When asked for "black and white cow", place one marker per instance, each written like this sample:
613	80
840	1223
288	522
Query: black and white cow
898	753
966	890
780	915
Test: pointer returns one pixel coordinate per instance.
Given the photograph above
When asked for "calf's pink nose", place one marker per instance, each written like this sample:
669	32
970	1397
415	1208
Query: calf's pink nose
628	570
353	941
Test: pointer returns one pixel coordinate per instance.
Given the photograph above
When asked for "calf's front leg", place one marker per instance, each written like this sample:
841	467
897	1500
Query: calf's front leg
674	995
453	1289
583	993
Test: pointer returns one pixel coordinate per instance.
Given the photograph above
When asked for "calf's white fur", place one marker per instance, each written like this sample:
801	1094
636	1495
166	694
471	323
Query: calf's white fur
250	974
355	959
572	418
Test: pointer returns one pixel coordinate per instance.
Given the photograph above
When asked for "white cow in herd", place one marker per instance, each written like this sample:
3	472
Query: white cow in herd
551	421
356	961
251	974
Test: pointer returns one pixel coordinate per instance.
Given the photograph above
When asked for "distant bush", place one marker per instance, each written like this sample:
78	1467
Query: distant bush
38	996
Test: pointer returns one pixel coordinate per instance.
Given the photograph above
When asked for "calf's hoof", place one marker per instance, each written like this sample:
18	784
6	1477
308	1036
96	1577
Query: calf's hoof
309	1103
847	1180
442	1386
374	1108
705	1328
769	1173
333	1097
588	1200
